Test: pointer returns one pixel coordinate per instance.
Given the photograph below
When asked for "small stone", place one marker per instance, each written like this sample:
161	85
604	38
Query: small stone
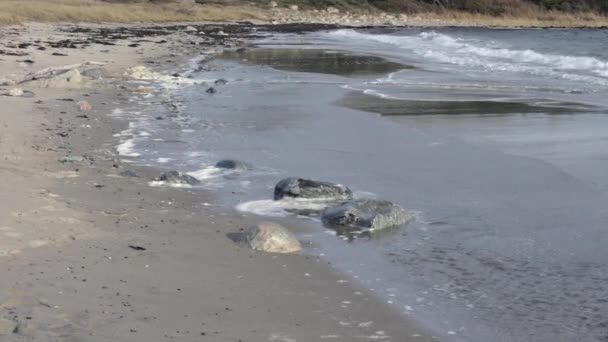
190	29
71	159
294	7
272	238
84	106
273	4
128	173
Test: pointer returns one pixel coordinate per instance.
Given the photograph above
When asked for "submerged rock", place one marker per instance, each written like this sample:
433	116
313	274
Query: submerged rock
233	165
175	177
310	189
220	81
272	238
364	215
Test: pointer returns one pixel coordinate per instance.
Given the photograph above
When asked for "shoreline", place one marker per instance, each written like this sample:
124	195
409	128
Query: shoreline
81	278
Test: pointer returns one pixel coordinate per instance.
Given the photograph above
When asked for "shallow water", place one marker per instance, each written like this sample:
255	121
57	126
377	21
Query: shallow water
509	194
325	61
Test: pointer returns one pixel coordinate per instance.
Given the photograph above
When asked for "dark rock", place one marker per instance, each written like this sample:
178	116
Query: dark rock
306	188
211	90
71	159
174	177
128	173
364	215
233	165
220	81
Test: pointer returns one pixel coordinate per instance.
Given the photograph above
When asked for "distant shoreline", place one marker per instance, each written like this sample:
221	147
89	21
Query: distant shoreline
13	12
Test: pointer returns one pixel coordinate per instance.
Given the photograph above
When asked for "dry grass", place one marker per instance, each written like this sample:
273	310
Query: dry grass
22	11
528	19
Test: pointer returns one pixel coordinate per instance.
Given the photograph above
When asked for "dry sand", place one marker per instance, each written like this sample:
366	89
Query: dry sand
67	272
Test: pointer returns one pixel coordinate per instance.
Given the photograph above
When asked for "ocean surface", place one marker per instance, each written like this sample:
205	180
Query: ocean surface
495	140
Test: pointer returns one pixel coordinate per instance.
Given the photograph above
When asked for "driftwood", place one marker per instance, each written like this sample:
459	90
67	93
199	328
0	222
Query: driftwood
51	72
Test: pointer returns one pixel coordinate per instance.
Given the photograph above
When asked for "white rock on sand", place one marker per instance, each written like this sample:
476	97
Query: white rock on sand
15	92
272	238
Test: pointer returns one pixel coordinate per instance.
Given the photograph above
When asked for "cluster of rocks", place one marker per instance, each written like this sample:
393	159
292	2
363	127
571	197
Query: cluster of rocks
343	213
347	216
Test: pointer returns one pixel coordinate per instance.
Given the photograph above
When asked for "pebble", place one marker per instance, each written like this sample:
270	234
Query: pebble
84	106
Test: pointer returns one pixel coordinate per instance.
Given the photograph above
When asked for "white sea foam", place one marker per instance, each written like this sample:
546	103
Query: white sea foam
166	81
126	148
158	183
282	207
446	49
208	173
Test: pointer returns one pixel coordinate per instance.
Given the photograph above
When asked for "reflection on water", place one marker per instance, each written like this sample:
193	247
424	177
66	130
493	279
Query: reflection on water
318	61
389	107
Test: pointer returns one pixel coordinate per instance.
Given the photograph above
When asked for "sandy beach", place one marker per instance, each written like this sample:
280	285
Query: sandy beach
89	252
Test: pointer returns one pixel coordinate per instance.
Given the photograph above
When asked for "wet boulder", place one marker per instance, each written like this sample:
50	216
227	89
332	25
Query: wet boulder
310	189
272	238
178	178
231	164
220	81
364	215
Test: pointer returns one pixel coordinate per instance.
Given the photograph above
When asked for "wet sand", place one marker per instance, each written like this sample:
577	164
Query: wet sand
89	255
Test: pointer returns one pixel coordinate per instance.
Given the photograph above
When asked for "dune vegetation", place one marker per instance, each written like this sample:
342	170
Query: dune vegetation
533	13
20	11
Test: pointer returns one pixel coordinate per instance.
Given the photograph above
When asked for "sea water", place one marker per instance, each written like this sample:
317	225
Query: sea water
496	141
